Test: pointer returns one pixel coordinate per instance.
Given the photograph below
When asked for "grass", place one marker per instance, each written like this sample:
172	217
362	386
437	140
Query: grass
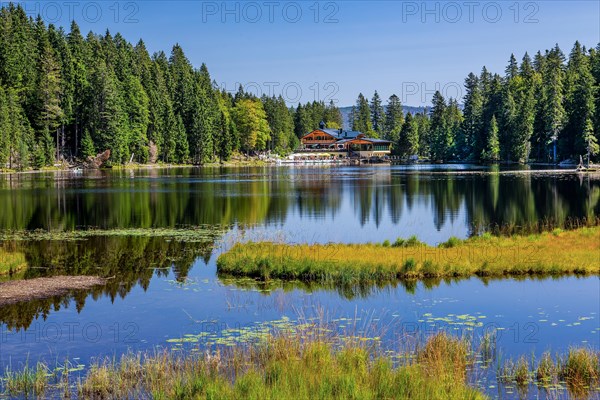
283	367
30	382
579	370
11	262
549	253
305	363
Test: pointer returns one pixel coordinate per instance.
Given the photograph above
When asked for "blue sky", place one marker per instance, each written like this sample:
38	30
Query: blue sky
335	49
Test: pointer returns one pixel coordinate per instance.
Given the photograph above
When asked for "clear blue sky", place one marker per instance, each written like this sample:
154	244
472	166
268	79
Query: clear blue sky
346	47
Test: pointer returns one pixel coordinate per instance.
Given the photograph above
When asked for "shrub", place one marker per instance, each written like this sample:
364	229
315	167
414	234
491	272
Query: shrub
450	243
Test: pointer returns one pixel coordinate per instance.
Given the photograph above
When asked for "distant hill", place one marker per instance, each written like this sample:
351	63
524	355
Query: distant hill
407	109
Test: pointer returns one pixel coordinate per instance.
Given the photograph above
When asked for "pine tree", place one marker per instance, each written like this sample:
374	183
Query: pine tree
58	41
333	116
492	149
108	121
588	140
136	107
362	118
182	150
377	116
280	122
408	140
49	91
579	104
424	132
512	69
87	145
595	68
224	141
21	140
302	121
440	132
79	59
5	129
469	140
454	120
394	119
553	86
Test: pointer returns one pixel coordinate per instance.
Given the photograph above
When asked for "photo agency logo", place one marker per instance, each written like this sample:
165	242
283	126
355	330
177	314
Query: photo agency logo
89	332
254	12
57	12
453	12
292	92
422	92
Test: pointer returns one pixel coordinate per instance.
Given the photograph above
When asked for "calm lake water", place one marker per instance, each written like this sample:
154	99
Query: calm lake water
164	290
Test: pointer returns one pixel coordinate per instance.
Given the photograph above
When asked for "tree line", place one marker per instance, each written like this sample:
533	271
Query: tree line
545	109
64	96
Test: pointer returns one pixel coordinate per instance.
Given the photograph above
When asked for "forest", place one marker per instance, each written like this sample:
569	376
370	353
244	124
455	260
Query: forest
65	97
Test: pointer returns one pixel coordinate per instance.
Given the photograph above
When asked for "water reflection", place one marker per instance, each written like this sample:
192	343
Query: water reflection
127	262
277	196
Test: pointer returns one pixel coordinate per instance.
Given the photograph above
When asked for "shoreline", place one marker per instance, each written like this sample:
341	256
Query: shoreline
262	163
25	290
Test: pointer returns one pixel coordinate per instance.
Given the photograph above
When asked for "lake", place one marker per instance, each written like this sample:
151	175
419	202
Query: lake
167	292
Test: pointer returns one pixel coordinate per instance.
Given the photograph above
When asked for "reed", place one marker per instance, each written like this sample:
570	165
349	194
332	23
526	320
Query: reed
285	366
579	370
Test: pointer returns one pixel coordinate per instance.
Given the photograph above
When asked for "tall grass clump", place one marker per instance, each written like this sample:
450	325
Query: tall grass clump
412	241
453	241
547	371
580	368
30	381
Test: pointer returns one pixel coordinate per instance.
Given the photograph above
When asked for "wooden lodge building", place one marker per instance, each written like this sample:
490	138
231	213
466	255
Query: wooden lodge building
342	143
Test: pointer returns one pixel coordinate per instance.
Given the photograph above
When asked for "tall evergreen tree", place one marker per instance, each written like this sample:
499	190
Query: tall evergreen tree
454	120
377	115
362	119
469	138
394	119
580	105
408	140
491	152
441	139
333	116
553	86
49	91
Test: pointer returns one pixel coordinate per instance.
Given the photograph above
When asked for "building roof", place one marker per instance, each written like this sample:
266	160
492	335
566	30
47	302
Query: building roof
339	133
343	136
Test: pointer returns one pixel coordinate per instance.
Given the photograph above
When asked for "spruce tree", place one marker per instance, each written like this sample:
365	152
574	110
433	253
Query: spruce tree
408	140
491	151
579	104
362	118
377	116
440	133
49	91
469	140
87	145
553	87
394	119
333	116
